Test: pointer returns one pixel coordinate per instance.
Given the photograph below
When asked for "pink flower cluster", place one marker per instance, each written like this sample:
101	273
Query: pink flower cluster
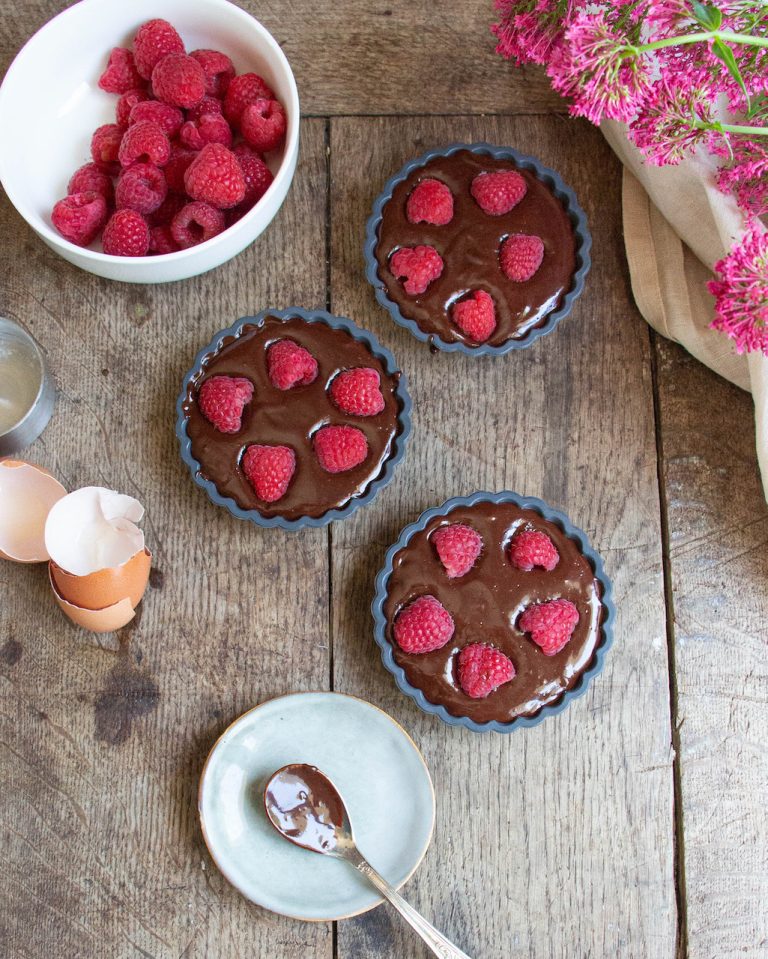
662	67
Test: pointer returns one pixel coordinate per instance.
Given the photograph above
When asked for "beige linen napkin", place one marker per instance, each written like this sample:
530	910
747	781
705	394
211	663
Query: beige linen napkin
677	224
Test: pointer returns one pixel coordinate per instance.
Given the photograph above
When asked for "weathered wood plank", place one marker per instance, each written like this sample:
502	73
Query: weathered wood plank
558	840
718	532
100	754
371	56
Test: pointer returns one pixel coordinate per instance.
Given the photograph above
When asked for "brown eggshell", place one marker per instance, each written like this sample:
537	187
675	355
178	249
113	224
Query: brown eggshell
32	549
107	587
97	620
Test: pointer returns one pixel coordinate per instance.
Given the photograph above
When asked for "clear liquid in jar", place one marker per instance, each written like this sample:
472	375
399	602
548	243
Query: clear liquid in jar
19	380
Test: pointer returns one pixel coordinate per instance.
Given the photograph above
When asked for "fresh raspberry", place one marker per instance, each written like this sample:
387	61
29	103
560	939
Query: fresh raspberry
269	470
105	145
222	400
210	128
195	223
418	265
177	166
206	105
168	118
263	124
430	202
121	74
144	142
340	448
91	177
258	176
458	547
550	624
161	240
498	193
533	548
358	392
520	256
482	669
215	177
423	626
218	70
141	187
126	234
80	216
289	365
179	80
154	40
241	91
167	210
126	103
475	316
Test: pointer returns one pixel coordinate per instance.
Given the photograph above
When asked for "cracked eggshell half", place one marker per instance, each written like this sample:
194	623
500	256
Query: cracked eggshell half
106	620
27	495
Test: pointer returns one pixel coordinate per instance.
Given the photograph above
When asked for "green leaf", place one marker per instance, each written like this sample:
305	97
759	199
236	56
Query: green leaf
707	14
723	52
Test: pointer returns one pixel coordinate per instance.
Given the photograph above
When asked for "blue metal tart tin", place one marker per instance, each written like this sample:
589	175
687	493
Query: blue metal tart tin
554	516
399	444
582	238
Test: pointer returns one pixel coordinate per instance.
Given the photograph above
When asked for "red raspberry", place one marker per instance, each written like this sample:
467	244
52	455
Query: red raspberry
161	240
269	470
222	400
418	265
340	448
263	124
210	128
79	217
206	105
141	187
475	316
105	145
126	234
195	223
258	176
289	365
533	548
168	118
91	177
215	177
241	91
218	70
144	142
179	80
550	624
498	193
154	40
458	547
521	256
423	626
126	103
358	392
121	74
177	166
430	202
482	669
167	210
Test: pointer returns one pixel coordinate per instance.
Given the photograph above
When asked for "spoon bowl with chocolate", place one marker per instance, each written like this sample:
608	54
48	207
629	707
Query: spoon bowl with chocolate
477	248
493	611
306	808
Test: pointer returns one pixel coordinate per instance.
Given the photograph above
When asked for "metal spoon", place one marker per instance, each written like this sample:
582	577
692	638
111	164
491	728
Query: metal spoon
304	806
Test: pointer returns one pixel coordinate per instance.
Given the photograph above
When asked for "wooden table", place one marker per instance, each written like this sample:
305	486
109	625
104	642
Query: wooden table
633	825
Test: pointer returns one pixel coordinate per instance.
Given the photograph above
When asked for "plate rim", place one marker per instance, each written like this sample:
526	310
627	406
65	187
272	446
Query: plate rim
300	693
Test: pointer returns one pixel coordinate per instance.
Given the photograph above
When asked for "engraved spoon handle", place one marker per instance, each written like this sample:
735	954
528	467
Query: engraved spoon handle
434	939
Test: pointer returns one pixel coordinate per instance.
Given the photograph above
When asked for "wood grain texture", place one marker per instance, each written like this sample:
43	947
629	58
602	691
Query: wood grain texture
555	841
100	754
718	529
371	56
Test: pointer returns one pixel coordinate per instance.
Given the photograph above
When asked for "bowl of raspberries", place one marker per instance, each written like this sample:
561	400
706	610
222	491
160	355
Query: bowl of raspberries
151	141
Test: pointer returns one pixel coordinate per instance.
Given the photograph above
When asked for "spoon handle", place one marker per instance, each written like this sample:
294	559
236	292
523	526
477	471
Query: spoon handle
434	939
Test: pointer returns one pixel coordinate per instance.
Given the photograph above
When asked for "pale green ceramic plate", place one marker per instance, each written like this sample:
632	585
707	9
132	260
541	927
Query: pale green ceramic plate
374	764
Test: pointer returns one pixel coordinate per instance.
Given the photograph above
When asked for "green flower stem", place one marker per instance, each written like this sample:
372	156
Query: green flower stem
728	36
731	128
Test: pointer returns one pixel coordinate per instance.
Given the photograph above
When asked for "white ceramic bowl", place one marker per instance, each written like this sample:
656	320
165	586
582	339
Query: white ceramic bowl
50	104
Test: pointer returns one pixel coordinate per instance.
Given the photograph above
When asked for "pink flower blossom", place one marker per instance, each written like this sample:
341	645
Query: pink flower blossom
666	129
741	293
744	171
